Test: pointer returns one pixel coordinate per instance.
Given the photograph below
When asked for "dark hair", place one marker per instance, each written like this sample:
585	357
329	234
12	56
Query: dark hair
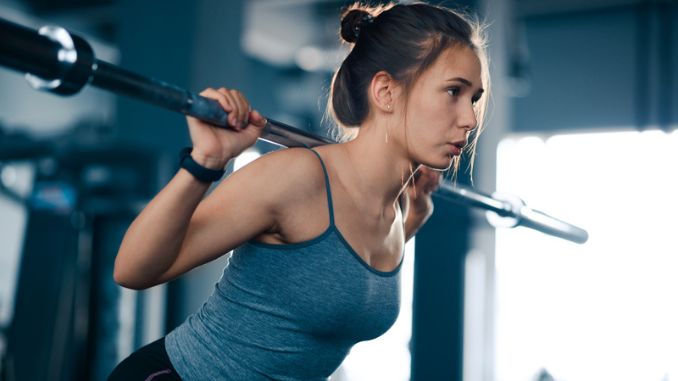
403	40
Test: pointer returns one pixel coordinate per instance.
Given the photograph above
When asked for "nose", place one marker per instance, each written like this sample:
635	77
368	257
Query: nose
468	119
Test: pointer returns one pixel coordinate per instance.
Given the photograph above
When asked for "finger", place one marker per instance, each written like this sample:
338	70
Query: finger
246	111
422	177
438	178
226	103
433	177
257	119
244	107
428	181
416	175
434	185
234	114
241	111
434	182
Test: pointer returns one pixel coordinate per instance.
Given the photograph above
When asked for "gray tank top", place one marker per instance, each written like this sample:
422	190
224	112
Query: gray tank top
286	311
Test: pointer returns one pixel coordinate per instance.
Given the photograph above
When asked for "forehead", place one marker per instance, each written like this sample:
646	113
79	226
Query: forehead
460	61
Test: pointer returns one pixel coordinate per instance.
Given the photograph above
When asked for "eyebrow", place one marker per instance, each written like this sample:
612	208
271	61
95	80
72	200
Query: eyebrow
465	82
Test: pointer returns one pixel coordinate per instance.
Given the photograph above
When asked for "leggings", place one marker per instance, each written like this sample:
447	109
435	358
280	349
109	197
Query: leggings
149	363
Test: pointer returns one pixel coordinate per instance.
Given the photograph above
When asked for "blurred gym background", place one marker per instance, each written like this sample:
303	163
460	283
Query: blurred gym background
582	126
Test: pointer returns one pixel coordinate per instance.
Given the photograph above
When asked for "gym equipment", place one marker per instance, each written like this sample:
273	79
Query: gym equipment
65	322
63	63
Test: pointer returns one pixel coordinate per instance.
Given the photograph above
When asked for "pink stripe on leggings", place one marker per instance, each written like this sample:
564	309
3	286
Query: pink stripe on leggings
152	376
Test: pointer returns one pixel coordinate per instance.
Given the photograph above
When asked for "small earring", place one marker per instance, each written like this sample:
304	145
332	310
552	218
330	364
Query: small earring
388	107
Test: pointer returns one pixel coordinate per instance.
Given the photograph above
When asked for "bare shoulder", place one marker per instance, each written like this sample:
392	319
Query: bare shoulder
286	175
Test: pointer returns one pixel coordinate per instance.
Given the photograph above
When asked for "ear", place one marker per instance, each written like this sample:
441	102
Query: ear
383	92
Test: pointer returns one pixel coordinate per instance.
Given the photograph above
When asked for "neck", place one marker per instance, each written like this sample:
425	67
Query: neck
382	168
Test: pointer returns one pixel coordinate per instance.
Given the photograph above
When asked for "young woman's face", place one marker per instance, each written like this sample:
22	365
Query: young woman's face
441	108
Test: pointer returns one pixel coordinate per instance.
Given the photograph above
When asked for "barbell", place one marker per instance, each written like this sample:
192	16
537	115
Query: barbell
63	63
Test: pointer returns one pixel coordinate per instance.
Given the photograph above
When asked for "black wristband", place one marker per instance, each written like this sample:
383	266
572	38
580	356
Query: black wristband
201	173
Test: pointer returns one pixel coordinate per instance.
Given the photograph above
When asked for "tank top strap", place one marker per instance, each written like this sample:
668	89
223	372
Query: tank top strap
327	187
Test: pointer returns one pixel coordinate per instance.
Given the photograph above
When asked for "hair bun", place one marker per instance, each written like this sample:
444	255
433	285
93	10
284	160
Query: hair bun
352	23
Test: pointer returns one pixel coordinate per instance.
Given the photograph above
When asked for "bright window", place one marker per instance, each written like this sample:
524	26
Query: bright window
608	309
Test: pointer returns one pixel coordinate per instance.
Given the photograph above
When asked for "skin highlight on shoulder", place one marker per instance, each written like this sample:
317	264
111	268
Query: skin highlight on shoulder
294	179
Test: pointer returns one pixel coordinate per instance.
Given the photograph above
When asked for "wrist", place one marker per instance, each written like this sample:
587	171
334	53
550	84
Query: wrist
209	161
199	170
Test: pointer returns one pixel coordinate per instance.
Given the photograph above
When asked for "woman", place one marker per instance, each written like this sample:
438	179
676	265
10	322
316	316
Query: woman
318	234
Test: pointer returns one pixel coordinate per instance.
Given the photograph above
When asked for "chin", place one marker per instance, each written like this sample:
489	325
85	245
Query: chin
438	164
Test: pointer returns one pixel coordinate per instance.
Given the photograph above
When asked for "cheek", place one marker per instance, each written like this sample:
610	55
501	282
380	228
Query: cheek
433	124
429	114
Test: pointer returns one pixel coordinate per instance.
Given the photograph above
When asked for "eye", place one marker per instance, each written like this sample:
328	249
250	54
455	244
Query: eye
475	100
454	91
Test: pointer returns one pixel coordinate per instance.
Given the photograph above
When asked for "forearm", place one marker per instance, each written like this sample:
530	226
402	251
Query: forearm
154	247
154	239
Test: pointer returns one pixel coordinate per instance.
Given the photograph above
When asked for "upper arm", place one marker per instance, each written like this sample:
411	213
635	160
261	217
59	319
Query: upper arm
246	204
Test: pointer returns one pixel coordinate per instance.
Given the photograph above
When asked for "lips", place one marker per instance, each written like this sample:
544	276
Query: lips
456	147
